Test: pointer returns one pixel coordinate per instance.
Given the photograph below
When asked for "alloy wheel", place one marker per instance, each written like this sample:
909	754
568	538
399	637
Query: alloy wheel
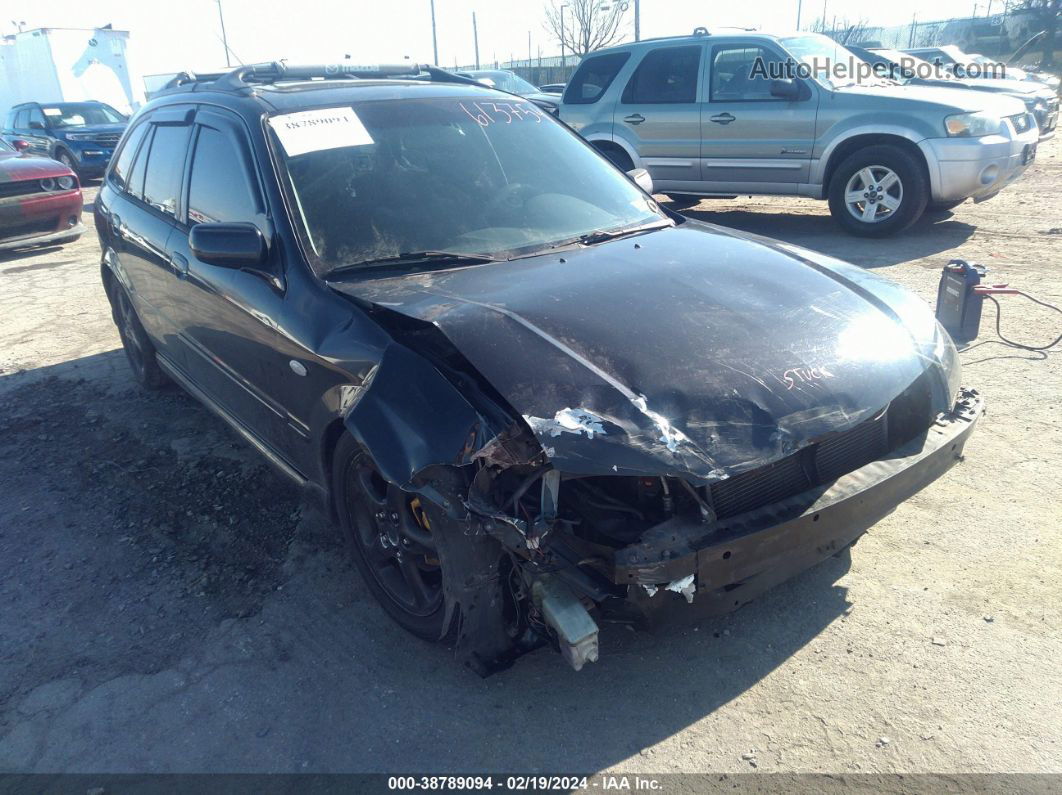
873	194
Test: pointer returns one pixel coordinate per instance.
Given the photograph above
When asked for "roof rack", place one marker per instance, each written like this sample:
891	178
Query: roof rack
243	77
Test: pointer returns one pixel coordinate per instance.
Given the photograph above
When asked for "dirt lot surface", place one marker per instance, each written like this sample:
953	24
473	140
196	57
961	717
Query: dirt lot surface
167	604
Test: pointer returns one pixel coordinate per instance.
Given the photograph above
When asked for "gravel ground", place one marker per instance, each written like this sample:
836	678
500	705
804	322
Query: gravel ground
168	605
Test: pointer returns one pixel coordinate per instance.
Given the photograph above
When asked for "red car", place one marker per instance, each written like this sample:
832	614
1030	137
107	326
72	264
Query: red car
40	200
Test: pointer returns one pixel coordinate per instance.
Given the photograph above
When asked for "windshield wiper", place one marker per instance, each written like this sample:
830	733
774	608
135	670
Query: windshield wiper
603	235
414	258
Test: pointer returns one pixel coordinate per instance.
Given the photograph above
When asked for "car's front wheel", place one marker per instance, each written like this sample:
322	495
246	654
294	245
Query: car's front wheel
67	160
139	349
390	541
878	191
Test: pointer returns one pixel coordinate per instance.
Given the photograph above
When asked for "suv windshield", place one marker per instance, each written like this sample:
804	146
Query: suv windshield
456	175
81	114
506	81
830	64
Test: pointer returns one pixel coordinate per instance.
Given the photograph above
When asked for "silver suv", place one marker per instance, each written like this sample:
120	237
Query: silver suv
740	112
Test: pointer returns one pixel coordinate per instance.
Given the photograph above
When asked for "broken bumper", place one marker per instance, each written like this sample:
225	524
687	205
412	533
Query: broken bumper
737	559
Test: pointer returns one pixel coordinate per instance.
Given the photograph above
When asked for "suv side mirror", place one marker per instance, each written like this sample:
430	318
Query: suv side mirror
230	245
641	178
786	88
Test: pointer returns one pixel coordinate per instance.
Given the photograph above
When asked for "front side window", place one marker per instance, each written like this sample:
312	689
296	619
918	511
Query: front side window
81	114
36	120
165	165
593	77
219	188
738	74
123	165
460	174
667	75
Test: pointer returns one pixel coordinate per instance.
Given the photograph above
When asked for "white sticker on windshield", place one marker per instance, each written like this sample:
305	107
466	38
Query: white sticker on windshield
313	130
52	112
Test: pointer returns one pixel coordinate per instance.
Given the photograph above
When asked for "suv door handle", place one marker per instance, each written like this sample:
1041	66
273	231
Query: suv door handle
723	118
179	265
634	118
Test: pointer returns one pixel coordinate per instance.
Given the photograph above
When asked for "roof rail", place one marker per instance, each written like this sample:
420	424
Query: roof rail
701	31
243	77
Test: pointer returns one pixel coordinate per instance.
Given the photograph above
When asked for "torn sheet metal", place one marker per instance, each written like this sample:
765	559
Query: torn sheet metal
677	356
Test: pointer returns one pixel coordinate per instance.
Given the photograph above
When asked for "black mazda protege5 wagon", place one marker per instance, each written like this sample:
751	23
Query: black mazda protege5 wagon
528	395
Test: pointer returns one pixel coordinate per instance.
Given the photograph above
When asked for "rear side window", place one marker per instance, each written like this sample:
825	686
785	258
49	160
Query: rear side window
165	165
665	76
220	189
123	165
593	77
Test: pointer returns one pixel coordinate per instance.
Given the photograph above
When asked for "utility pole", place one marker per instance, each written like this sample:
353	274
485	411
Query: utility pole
224	38
800	4
475	37
638	20
434	42
528	49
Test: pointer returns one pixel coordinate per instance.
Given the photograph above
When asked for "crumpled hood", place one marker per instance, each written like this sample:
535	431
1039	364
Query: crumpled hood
693	350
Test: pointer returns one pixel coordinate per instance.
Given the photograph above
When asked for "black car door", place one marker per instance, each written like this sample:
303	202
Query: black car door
238	352
142	217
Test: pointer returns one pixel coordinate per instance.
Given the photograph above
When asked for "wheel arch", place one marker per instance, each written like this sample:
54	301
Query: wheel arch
604	143
845	147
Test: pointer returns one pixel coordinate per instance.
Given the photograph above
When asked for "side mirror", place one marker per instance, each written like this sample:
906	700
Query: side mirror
236	245
786	88
641	178
20	145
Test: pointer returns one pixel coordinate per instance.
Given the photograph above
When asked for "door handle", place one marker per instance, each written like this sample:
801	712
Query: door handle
723	118
634	118
179	265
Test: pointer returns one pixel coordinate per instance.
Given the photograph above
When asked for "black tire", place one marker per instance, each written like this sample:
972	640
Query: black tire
619	158
682	201
943	207
67	160
909	192
385	557
139	349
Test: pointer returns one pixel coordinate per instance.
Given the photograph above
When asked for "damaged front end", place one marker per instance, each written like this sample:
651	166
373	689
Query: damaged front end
760	414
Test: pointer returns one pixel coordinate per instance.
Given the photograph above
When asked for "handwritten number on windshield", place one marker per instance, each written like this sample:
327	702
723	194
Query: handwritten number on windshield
487	113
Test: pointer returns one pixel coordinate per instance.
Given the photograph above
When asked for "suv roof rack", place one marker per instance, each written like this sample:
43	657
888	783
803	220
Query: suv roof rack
243	77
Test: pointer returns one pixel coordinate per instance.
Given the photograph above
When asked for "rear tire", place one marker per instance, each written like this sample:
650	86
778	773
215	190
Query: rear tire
878	191
139	349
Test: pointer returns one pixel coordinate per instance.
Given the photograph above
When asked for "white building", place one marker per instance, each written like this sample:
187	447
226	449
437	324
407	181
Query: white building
68	65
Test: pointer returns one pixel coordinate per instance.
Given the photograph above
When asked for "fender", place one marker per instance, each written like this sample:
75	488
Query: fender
818	166
388	418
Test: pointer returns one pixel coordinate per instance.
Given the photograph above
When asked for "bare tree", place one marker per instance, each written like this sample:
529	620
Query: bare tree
588	24
1044	15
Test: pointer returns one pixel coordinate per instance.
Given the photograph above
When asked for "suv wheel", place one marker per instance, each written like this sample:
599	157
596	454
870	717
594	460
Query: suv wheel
139	349
878	191
66	159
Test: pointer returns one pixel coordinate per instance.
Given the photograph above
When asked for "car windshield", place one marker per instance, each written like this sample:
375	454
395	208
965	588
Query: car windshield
468	175
912	62
506	81
81	114
830	64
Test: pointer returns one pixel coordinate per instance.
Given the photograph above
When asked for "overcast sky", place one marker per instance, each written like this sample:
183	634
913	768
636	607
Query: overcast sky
171	36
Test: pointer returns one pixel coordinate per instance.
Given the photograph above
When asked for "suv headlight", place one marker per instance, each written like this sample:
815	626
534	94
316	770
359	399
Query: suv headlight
79	136
972	125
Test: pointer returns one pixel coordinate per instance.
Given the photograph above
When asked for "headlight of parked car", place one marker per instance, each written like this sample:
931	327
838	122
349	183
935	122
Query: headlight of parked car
65	183
972	125
47	184
79	136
